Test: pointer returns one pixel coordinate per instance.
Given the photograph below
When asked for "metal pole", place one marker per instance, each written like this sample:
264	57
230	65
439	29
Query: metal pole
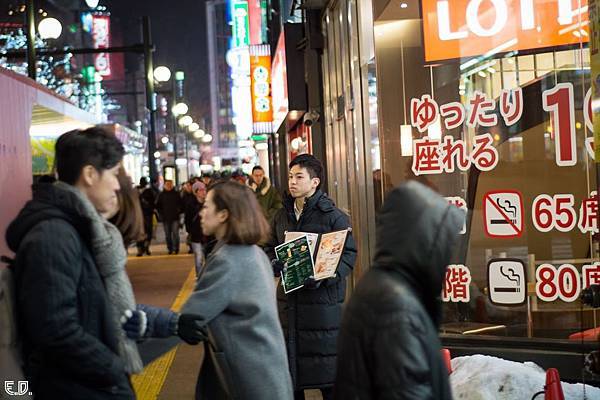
31	64
174	122
150	99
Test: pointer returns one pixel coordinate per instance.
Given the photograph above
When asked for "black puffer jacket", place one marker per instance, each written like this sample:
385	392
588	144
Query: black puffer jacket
311	318
388	345
69	342
169	205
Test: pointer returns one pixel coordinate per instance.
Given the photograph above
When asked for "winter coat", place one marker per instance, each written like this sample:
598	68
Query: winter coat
388	346
193	222
147	200
69	344
268	197
311	317
169	205
235	296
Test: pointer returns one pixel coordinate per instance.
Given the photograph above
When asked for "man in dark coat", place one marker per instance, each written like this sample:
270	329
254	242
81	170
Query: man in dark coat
147	196
388	346
311	316
68	333
169	206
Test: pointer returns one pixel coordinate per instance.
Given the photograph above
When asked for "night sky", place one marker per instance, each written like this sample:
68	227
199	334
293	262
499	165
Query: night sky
179	35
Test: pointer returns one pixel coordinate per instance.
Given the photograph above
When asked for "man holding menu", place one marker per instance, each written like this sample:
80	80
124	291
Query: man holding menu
311	315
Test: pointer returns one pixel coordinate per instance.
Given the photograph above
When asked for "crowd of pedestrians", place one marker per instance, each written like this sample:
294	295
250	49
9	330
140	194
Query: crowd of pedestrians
79	321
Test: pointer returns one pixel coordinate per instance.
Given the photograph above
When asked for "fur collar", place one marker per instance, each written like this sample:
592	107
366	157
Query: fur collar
264	186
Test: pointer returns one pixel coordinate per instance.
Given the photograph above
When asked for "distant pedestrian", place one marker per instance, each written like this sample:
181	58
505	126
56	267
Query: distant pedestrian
268	197
207	179
147	196
169	206
388	347
188	199
239	176
311	316
199	241
246	357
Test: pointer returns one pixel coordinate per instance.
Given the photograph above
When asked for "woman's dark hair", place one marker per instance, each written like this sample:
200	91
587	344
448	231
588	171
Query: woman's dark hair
313	166
246	223
128	219
79	148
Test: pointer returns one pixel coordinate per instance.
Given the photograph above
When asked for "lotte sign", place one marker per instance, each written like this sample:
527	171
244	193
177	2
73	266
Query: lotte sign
465	28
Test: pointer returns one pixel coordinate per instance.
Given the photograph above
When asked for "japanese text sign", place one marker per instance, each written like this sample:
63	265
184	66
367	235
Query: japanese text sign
260	75
465	28
101	36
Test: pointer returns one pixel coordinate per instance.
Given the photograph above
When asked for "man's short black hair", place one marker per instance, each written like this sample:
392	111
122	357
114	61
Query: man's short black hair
312	165
143	181
79	148
257	167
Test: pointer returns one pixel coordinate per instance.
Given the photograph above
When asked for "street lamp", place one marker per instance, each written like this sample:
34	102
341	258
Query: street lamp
193	127
180	109
199	133
50	28
186	120
207	138
162	74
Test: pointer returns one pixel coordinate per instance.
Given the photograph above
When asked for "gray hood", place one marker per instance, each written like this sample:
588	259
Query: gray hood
416	235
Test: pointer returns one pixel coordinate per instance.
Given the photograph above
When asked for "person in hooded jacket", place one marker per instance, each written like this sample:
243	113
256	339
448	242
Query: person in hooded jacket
70	279
388	347
311	316
71	341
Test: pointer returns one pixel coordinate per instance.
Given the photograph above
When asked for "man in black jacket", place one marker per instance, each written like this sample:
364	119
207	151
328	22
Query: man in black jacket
147	196
311	316
388	346
169	206
69	338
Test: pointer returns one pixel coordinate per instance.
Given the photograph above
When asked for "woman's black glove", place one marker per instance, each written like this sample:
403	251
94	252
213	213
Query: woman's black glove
190	329
277	266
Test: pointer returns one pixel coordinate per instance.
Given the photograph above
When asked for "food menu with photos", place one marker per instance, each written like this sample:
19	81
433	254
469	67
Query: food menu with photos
298	263
329	253
325	254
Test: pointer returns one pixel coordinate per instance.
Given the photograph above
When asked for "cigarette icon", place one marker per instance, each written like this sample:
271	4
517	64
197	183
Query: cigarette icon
502	221
507	290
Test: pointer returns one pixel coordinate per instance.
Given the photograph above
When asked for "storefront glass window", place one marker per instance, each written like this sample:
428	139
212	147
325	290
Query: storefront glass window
489	103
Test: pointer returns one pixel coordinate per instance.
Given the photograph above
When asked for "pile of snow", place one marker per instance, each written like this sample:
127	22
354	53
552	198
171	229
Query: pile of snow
482	377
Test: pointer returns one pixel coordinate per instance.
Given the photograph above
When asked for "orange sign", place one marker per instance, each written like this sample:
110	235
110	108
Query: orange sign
260	74
466	28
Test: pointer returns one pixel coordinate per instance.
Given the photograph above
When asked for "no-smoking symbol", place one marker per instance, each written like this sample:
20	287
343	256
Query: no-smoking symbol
503	214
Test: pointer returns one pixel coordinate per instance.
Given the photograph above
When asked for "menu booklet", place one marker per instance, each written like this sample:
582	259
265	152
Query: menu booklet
321	262
298	263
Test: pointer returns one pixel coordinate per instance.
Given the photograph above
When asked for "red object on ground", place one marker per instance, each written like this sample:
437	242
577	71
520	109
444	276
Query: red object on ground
447	360
553	389
590	335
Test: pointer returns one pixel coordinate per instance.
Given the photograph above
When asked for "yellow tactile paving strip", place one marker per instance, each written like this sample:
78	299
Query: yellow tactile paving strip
148	383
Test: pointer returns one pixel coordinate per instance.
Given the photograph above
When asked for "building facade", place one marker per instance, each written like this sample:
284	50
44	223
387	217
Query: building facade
495	114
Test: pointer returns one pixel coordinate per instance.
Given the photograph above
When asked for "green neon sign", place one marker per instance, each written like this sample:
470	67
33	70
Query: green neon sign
241	25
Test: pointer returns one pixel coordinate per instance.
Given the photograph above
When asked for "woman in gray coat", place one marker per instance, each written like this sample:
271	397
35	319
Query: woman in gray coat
235	297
